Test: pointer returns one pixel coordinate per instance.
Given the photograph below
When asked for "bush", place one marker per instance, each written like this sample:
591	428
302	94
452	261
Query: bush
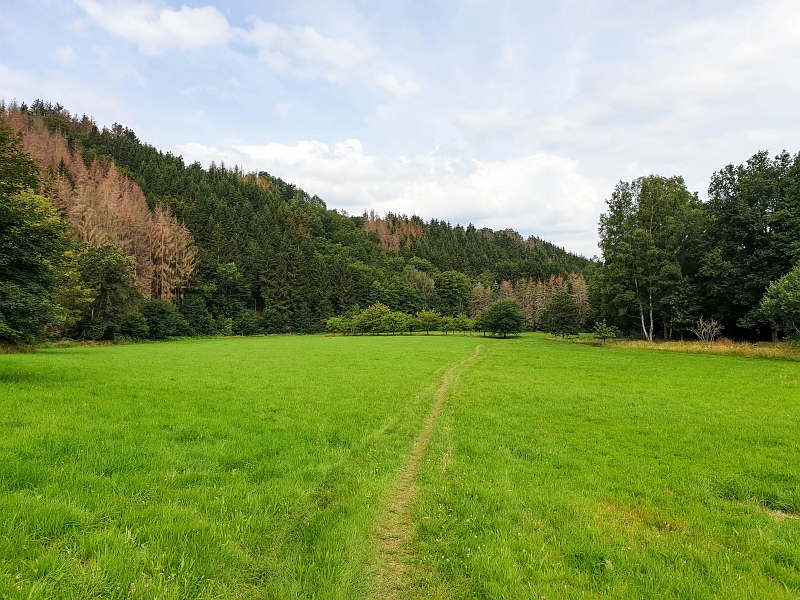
164	320
224	325
603	331
247	322
271	321
194	310
134	326
335	325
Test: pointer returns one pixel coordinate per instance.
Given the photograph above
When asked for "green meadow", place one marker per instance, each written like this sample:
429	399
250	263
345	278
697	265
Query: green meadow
397	467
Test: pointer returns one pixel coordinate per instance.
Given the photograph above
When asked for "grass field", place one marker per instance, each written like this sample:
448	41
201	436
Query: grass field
400	467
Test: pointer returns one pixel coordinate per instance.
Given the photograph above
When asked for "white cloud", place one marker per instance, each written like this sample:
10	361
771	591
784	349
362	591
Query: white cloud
392	85
541	194
705	69
304	52
156	31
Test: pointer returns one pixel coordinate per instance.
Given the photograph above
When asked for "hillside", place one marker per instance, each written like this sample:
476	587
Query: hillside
227	243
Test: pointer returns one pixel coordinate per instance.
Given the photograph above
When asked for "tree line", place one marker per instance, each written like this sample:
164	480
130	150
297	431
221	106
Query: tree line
105	236
670	260
230	252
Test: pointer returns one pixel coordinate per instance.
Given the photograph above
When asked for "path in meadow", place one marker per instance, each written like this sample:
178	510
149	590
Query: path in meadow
394	528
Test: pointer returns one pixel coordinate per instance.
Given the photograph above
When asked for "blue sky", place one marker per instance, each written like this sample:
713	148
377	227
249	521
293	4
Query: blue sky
520	114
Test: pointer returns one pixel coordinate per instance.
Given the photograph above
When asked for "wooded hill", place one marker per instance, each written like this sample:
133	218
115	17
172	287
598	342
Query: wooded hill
248	252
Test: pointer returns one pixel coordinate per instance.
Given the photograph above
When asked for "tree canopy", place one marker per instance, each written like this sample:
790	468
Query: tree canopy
501	317
32	244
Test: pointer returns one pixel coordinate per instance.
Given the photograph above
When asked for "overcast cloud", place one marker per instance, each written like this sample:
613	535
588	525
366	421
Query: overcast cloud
520	114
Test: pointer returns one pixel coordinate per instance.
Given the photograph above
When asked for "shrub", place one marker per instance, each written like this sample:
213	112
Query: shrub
164	320
134	326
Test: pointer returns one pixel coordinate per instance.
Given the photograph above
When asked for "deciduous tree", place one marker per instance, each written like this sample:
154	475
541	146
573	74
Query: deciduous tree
642	238
502	317
32	243
562	315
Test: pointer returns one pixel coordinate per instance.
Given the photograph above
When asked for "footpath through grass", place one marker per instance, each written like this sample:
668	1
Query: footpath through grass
569	471
262	468
247	468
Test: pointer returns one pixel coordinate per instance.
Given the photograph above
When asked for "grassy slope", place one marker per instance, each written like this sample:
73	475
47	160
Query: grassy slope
571	471
257	468
239	467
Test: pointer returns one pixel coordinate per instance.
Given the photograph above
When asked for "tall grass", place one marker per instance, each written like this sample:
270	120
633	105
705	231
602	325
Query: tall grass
777	350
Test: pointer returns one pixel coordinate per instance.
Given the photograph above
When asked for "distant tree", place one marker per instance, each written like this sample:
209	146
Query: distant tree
643	238
463	323
194	310
481	298
395	321
603	331
562	316
781	302
753	239
271	321
372	318
247	322
108	273
32	244
428	320
334	325
448	324
502	317
134	326
452	293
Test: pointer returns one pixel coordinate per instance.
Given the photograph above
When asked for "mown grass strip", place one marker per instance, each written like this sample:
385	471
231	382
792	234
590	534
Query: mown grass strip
394	528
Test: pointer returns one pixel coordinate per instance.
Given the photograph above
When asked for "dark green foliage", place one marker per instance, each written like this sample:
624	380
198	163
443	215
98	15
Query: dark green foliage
452	291
754	238
194	310
501	317
135	326
32	243
263	242
271	321
562	316
164	320
108	274
247	322
645	238
18	171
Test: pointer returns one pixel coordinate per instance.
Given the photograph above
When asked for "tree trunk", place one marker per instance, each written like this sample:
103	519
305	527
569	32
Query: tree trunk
641	316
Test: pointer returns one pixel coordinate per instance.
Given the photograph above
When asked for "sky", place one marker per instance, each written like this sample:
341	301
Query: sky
519	114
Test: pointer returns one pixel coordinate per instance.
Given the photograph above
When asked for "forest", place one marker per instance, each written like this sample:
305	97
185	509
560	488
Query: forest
105	237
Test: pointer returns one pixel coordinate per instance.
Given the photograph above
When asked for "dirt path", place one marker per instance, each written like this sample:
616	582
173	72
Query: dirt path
394	528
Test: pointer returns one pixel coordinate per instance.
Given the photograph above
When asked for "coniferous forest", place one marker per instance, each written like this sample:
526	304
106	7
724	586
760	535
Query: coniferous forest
104	237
